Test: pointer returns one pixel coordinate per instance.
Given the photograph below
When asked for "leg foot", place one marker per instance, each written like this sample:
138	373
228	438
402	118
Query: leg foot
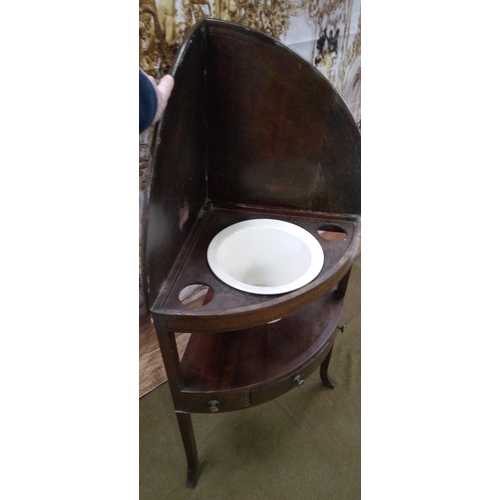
186	428
192	478
323	371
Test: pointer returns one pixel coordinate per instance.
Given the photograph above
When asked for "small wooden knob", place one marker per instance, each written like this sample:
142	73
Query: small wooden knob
213	406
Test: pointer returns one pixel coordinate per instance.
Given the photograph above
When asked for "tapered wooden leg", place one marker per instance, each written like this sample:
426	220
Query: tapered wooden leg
323	371
168	347
186	428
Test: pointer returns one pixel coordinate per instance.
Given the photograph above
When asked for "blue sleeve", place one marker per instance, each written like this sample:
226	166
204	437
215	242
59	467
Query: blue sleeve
147	102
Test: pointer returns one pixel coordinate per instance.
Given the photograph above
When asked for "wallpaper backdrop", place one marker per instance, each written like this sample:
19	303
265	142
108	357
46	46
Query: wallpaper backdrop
325	32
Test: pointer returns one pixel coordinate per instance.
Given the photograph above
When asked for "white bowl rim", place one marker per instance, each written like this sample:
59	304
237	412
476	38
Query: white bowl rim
313	245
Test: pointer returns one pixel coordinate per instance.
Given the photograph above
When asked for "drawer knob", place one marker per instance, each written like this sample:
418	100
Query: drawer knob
298	380
213	406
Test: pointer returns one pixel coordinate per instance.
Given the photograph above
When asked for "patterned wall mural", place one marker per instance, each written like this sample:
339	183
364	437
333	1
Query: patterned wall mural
325	32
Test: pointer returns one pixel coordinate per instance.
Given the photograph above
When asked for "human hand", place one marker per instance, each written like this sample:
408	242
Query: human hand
163	91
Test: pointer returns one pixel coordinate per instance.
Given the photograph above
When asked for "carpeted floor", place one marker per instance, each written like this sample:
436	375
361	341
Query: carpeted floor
306	444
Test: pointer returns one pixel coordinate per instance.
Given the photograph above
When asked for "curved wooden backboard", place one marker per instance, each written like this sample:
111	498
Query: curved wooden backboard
249	122
278	132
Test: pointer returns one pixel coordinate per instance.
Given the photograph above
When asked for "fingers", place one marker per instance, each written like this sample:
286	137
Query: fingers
166	85
163	92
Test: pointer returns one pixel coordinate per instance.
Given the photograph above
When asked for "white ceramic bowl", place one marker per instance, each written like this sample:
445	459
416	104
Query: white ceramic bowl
265	256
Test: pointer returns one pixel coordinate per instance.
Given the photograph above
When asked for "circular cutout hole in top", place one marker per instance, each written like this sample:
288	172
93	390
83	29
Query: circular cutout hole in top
331	232
196	295
265	256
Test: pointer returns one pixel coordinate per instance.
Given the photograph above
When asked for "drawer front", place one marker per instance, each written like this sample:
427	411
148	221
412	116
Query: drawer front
213	402
272	391
219	402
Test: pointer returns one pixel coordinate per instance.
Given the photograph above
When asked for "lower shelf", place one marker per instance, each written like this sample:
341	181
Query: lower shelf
233	370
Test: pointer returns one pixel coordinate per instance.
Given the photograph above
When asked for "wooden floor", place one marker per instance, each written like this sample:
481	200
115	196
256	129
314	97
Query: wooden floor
151	369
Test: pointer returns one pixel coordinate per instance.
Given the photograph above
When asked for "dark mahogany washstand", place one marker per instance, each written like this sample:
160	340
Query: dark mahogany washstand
251	131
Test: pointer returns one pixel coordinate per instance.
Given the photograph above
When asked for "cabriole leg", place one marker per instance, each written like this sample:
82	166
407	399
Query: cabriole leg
323	371
339	294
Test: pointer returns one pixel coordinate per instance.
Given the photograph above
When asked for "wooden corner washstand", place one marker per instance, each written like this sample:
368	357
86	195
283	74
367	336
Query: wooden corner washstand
251	130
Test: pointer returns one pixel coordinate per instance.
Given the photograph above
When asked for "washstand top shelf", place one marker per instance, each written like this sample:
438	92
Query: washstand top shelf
229	309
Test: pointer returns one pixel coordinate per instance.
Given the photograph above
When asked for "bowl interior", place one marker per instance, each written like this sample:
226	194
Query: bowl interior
265	256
